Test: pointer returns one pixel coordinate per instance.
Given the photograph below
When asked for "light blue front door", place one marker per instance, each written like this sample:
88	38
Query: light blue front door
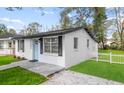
35	49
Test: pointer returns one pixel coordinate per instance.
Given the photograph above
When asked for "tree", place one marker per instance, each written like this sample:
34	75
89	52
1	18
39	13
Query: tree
33	28
119	23
115	37
65	21
3	29
22	32
99	28
12	31
82	13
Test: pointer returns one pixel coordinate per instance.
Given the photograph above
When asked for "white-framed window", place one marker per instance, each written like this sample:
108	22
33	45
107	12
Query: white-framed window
51	45
75	43
9	44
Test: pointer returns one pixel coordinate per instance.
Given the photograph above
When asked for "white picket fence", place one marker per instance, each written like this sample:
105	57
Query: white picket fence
109	57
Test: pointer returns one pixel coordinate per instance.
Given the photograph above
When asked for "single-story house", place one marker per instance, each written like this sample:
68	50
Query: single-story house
6	44
61	47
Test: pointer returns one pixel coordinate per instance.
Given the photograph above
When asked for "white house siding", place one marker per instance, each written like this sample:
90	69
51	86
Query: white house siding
75	56
70	56
27	49
54	59
6	50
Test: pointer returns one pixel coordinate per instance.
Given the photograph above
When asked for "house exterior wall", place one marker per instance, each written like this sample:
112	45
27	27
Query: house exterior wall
45	57
27	49
6	50
75	56
70	56
54	58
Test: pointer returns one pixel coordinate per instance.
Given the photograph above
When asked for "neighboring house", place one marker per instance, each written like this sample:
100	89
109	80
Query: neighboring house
62	47
6	45
109	41
114	44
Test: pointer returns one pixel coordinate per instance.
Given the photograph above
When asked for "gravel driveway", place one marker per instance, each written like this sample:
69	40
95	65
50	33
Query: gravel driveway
67	77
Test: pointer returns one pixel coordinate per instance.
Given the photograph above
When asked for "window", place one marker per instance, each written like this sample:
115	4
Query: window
87	43
21	45
1	44
9	44
51	45
75	43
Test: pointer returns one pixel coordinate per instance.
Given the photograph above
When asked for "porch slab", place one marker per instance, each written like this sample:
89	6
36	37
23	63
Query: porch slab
37	67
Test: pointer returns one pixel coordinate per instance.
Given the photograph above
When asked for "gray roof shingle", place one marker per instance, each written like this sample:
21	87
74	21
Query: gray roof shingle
9	35
56	32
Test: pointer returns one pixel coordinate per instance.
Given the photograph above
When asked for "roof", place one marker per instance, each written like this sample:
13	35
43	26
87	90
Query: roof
56	32
8	36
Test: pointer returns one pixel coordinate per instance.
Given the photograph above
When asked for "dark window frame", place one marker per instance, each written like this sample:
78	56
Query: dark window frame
75	42
9	44
21	44
88	43
50	44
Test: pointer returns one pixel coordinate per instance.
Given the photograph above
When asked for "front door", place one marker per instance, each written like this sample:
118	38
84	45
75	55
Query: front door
35	49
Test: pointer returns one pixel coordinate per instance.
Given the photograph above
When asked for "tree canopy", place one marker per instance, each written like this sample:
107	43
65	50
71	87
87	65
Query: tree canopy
3	29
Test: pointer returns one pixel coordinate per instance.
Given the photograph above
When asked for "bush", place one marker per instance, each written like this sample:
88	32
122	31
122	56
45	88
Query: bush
106	47
19	57
14	56
115	47
23	58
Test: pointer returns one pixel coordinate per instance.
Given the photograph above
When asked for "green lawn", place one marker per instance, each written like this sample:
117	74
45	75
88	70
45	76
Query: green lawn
20	76
7	60
120	52
114	58
101	69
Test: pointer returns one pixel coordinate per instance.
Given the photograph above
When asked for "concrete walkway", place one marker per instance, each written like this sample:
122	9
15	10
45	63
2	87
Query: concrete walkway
38	67
65	77
74	78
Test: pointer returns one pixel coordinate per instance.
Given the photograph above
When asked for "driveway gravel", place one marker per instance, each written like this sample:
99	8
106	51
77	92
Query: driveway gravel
68	77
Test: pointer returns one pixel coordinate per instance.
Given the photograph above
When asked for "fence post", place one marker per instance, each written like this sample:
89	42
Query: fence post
110	57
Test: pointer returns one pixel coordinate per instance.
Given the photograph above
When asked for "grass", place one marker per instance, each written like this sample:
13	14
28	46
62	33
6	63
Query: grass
114	58
7	59
20	76
120	52
101	69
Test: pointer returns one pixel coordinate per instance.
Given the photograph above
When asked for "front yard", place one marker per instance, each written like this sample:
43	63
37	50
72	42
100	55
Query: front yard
7	59
20	76
112	51
105	70
117	56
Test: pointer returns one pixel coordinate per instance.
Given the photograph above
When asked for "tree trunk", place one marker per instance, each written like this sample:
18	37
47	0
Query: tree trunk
103	45
121	42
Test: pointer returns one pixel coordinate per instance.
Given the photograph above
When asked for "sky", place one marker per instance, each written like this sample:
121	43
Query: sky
20	18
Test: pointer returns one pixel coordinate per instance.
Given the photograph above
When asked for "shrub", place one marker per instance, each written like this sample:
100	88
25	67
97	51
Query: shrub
19	57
